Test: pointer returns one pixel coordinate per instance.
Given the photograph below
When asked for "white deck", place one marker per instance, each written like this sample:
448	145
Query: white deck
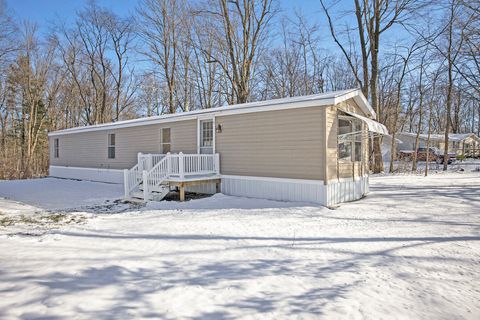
154	170
193	178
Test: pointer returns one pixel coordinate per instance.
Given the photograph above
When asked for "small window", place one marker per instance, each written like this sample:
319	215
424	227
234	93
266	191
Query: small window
111	146
56	149
357	127
349	140
166	144
344	145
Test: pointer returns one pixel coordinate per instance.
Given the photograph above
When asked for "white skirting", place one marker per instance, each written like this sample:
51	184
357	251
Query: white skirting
91	174
295	189
205	188
274	188
315	191
346	190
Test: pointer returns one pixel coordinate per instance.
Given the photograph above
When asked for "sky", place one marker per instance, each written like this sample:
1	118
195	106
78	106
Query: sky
45	12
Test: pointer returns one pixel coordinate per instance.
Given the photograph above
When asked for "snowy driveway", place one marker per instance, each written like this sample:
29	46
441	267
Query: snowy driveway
410	250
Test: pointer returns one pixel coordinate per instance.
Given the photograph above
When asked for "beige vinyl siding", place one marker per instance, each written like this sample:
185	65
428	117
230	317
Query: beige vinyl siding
89	149
282	144
291	143
342	169
332	146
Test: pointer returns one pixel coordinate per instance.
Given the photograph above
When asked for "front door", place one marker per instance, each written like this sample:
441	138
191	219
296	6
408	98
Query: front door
206	136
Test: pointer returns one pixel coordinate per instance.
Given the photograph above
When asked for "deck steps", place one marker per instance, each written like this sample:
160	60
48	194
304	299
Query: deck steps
156	194
163	171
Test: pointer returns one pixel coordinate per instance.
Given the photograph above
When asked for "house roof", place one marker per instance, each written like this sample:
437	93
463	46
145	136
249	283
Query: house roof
322	99
457	137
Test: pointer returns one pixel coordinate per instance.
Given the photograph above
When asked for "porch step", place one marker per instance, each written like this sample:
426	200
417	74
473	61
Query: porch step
136	198
159	188
137	195
157	193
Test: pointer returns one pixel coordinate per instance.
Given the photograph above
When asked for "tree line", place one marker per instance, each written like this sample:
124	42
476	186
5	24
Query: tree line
176	55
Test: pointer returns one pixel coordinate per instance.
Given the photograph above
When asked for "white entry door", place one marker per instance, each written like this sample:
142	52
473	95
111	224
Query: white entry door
206	136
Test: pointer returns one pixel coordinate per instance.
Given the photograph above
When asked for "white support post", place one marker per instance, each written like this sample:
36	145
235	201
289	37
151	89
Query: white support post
150	162
181	169
217	163
125	183
139	161
169	164
145	186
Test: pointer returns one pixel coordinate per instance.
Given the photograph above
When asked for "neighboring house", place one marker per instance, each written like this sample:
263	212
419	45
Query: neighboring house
463	144
310	148
387	148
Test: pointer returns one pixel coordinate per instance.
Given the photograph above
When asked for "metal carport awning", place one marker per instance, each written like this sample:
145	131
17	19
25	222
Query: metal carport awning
372	125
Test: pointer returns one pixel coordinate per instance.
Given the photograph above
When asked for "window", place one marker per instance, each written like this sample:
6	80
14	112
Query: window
165	139
206	136
357	140
349	139
56	149
111	146
344	144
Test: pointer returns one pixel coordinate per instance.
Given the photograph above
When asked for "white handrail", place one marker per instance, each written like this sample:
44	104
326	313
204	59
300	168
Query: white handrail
155	176
131	179
147	161
153	169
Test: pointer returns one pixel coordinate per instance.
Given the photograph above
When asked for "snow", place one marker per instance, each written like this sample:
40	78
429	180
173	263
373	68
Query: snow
410	249
54	193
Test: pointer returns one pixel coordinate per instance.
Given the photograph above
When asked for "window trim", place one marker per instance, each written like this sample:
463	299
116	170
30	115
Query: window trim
199	130
161	139
109	145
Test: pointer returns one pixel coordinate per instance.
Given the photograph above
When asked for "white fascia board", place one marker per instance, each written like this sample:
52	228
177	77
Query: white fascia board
270	105
193	115
365	105
360	99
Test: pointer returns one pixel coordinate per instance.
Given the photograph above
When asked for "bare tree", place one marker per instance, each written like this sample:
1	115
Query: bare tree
373	19
159	22
404	70
244	30
206	75
28	86
122	34
451	53
421	91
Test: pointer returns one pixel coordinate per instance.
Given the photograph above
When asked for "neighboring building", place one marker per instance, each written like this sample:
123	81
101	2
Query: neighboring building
463	144
311	148
386	147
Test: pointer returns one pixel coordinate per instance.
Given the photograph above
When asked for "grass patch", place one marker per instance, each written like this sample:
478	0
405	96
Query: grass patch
40	219
6	221
56	217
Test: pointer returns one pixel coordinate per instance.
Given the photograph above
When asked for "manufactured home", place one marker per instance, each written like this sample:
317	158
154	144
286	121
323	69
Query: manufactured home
311	148
462	144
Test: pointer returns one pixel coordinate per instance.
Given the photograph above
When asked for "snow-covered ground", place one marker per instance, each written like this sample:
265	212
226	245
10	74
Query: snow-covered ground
409	250
60	194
